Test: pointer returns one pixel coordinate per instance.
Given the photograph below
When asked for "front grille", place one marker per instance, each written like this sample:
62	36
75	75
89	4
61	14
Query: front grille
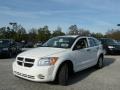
24	75
118	47
19	63
29	60
26	62
20	58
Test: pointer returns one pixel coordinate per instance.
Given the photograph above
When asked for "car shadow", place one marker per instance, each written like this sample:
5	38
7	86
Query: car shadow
85	73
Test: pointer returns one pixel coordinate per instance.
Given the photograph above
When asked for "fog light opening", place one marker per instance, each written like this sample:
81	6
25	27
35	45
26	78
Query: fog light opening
41	76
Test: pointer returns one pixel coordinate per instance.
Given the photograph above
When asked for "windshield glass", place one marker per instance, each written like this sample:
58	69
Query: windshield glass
108	41
4	43
60	42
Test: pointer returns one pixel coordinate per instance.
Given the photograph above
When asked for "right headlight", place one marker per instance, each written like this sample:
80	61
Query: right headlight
47	61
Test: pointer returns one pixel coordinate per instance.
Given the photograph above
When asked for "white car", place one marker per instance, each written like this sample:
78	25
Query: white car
58	58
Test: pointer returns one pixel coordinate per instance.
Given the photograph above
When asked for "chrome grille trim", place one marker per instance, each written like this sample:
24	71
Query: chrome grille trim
26	62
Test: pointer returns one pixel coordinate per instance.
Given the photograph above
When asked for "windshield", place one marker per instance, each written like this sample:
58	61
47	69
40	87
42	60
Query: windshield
4	43
60	42
108	41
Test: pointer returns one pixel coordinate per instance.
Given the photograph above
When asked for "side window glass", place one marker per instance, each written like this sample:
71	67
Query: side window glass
92	42
81	44
96	42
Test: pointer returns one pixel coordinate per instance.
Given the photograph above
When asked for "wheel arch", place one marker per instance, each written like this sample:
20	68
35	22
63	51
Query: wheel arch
101	55
97	64
70	66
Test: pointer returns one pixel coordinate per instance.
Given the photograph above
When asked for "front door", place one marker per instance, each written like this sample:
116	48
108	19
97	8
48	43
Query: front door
81	54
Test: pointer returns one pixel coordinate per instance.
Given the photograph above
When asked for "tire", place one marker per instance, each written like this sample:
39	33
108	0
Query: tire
63	75
99	64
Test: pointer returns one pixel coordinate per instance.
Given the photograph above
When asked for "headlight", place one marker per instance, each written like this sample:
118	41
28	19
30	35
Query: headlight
5	49
111	47
47	61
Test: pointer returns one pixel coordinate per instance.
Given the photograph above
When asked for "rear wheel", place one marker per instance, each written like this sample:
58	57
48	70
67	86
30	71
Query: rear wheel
100	62
63	75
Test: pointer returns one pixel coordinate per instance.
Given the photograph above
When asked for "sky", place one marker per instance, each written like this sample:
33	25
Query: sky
93	15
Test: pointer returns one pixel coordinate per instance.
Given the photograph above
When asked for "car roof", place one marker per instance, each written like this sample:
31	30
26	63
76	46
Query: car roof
75	36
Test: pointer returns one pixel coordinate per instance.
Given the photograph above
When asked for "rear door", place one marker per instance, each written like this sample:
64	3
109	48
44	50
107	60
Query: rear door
94	47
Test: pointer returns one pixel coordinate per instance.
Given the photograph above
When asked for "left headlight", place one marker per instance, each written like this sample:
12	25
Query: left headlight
47	61
111	47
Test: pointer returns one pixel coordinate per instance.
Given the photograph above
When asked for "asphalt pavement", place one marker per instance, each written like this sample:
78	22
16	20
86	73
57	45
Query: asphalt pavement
107	78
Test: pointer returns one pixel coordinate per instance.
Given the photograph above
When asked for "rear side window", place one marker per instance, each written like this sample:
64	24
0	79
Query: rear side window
93	42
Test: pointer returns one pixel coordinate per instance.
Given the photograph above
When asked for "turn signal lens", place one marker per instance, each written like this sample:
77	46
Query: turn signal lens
53	60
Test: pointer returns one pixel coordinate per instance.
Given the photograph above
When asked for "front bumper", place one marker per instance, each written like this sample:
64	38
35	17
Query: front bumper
35	73
114	51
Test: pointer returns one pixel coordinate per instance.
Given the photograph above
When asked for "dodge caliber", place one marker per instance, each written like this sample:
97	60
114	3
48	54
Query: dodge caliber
58	58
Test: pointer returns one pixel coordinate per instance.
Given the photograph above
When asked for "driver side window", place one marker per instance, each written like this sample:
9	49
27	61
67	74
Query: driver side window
81	44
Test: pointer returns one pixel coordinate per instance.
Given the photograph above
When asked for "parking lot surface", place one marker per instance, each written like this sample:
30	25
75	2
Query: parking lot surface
107	78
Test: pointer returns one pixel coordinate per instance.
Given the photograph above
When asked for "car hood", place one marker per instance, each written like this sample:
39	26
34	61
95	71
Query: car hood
41	52
115	45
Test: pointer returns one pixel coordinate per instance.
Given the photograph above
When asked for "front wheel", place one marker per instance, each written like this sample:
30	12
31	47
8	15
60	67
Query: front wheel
100	62
63	75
